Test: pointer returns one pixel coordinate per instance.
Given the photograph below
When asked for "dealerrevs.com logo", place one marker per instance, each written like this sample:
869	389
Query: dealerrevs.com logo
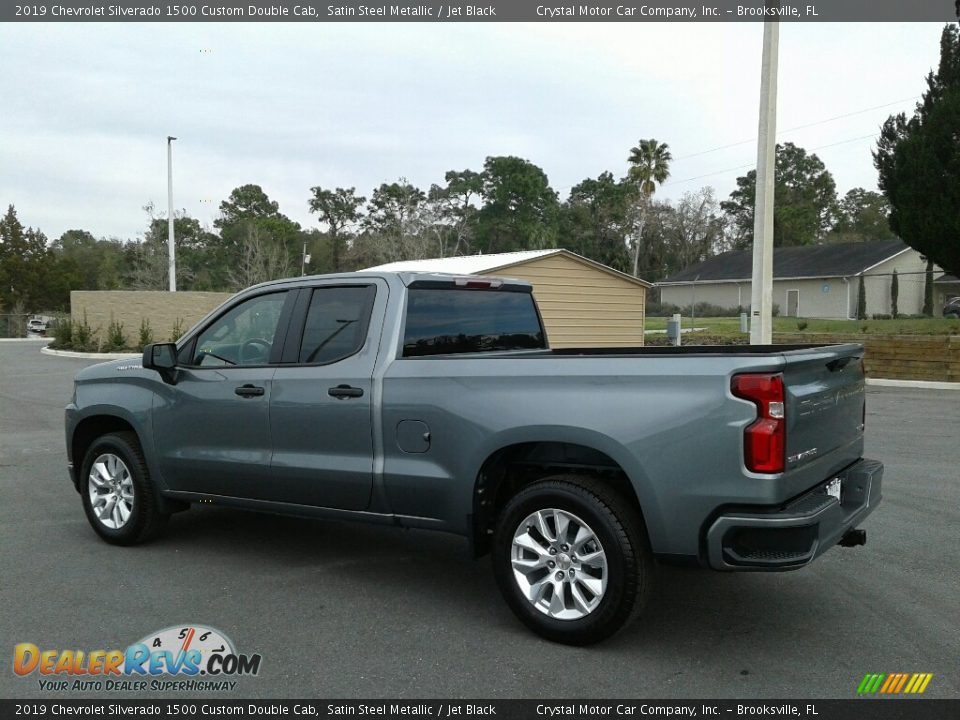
189	658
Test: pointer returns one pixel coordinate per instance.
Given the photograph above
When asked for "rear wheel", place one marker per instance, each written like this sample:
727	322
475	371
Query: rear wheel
572	559
118	495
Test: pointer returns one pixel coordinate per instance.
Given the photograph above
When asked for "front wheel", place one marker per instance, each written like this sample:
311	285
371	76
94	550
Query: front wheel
572	559
118	495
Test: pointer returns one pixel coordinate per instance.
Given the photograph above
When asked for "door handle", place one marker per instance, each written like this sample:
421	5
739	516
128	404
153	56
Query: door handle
345	391
249	391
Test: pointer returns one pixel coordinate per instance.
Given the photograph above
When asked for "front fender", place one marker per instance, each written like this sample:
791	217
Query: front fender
131	402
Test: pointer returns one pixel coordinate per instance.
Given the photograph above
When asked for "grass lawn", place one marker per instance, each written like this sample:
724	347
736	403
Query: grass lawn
731	326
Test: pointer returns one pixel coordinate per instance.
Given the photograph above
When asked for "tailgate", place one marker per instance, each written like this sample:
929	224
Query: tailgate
825	398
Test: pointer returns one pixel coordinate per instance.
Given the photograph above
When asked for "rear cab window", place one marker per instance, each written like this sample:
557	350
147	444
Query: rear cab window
442	321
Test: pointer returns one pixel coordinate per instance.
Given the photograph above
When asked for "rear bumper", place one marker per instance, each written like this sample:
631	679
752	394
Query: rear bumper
794	535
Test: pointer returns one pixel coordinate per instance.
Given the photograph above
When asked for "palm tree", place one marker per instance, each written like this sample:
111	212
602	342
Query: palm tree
649	167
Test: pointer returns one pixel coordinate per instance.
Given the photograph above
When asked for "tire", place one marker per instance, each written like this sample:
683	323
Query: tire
612	586
123	477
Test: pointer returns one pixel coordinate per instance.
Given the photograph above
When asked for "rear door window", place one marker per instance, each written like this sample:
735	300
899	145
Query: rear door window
443	321
336	324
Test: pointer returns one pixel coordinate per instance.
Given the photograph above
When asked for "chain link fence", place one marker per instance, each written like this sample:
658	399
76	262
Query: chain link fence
13	325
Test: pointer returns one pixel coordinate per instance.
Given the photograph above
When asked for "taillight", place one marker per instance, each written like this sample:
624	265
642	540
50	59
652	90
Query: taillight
764	440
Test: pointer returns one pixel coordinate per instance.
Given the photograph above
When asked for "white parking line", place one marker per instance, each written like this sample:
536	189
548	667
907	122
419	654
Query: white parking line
921	384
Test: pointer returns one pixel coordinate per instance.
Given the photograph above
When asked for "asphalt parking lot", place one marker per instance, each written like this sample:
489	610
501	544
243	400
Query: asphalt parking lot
350	611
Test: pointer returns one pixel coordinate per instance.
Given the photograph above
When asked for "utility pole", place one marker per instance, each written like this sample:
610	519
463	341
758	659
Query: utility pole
304	259
171	251
761	286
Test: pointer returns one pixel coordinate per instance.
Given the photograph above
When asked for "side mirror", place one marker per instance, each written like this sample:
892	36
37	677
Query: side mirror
160	356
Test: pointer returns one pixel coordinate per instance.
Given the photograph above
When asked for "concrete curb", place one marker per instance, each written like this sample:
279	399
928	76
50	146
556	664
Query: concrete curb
919	384
683	331
26	339
90	356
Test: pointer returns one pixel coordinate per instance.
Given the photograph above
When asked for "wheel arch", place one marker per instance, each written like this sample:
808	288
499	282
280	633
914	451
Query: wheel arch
103	421
88	430
511	467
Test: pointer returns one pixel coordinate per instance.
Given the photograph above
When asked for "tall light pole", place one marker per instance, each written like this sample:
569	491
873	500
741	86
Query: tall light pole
171	251
761	286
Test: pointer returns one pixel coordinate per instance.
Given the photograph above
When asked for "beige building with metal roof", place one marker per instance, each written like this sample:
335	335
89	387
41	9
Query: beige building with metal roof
584	303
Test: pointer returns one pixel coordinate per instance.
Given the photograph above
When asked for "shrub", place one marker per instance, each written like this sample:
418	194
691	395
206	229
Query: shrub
661	309
63	334
116	340
146	334
882	316
801	324
705	309
177	330
83	336
775	311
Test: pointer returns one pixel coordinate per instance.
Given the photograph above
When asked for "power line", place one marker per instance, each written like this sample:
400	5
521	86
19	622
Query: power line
750	165
799	127
780	132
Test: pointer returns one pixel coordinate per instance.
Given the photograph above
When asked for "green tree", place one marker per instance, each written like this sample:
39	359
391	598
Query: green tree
520	209
805	200
147	260
594	221
918	161
29	276
393	218
339	210
247	202
649	167
249	217
452	213
91	263
863	216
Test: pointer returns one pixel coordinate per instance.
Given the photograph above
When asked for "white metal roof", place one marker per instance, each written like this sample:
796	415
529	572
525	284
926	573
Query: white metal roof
465	264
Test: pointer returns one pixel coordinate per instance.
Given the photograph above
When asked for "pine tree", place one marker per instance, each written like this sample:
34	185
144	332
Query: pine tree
918	161
861	301
894	294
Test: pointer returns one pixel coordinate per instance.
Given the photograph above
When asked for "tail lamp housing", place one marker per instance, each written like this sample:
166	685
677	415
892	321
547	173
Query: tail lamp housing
765	439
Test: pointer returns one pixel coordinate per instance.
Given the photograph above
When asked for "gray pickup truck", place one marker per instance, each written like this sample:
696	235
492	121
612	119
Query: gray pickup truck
434	401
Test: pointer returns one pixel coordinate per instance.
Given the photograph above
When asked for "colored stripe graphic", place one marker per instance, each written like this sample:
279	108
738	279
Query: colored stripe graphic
894	683
890	683
871	683
920	685
899	687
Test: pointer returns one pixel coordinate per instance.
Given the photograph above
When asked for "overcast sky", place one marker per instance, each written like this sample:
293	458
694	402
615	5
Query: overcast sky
86	108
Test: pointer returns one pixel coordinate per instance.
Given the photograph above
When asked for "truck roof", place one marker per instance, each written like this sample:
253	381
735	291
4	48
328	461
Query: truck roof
407	277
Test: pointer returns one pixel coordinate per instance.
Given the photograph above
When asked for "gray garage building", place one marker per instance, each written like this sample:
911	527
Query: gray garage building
820	281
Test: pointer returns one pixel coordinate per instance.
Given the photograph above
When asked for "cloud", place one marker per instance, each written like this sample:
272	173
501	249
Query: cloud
87	107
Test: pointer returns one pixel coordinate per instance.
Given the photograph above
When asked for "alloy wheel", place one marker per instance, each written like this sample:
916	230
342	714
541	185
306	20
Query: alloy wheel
559	564
110	486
